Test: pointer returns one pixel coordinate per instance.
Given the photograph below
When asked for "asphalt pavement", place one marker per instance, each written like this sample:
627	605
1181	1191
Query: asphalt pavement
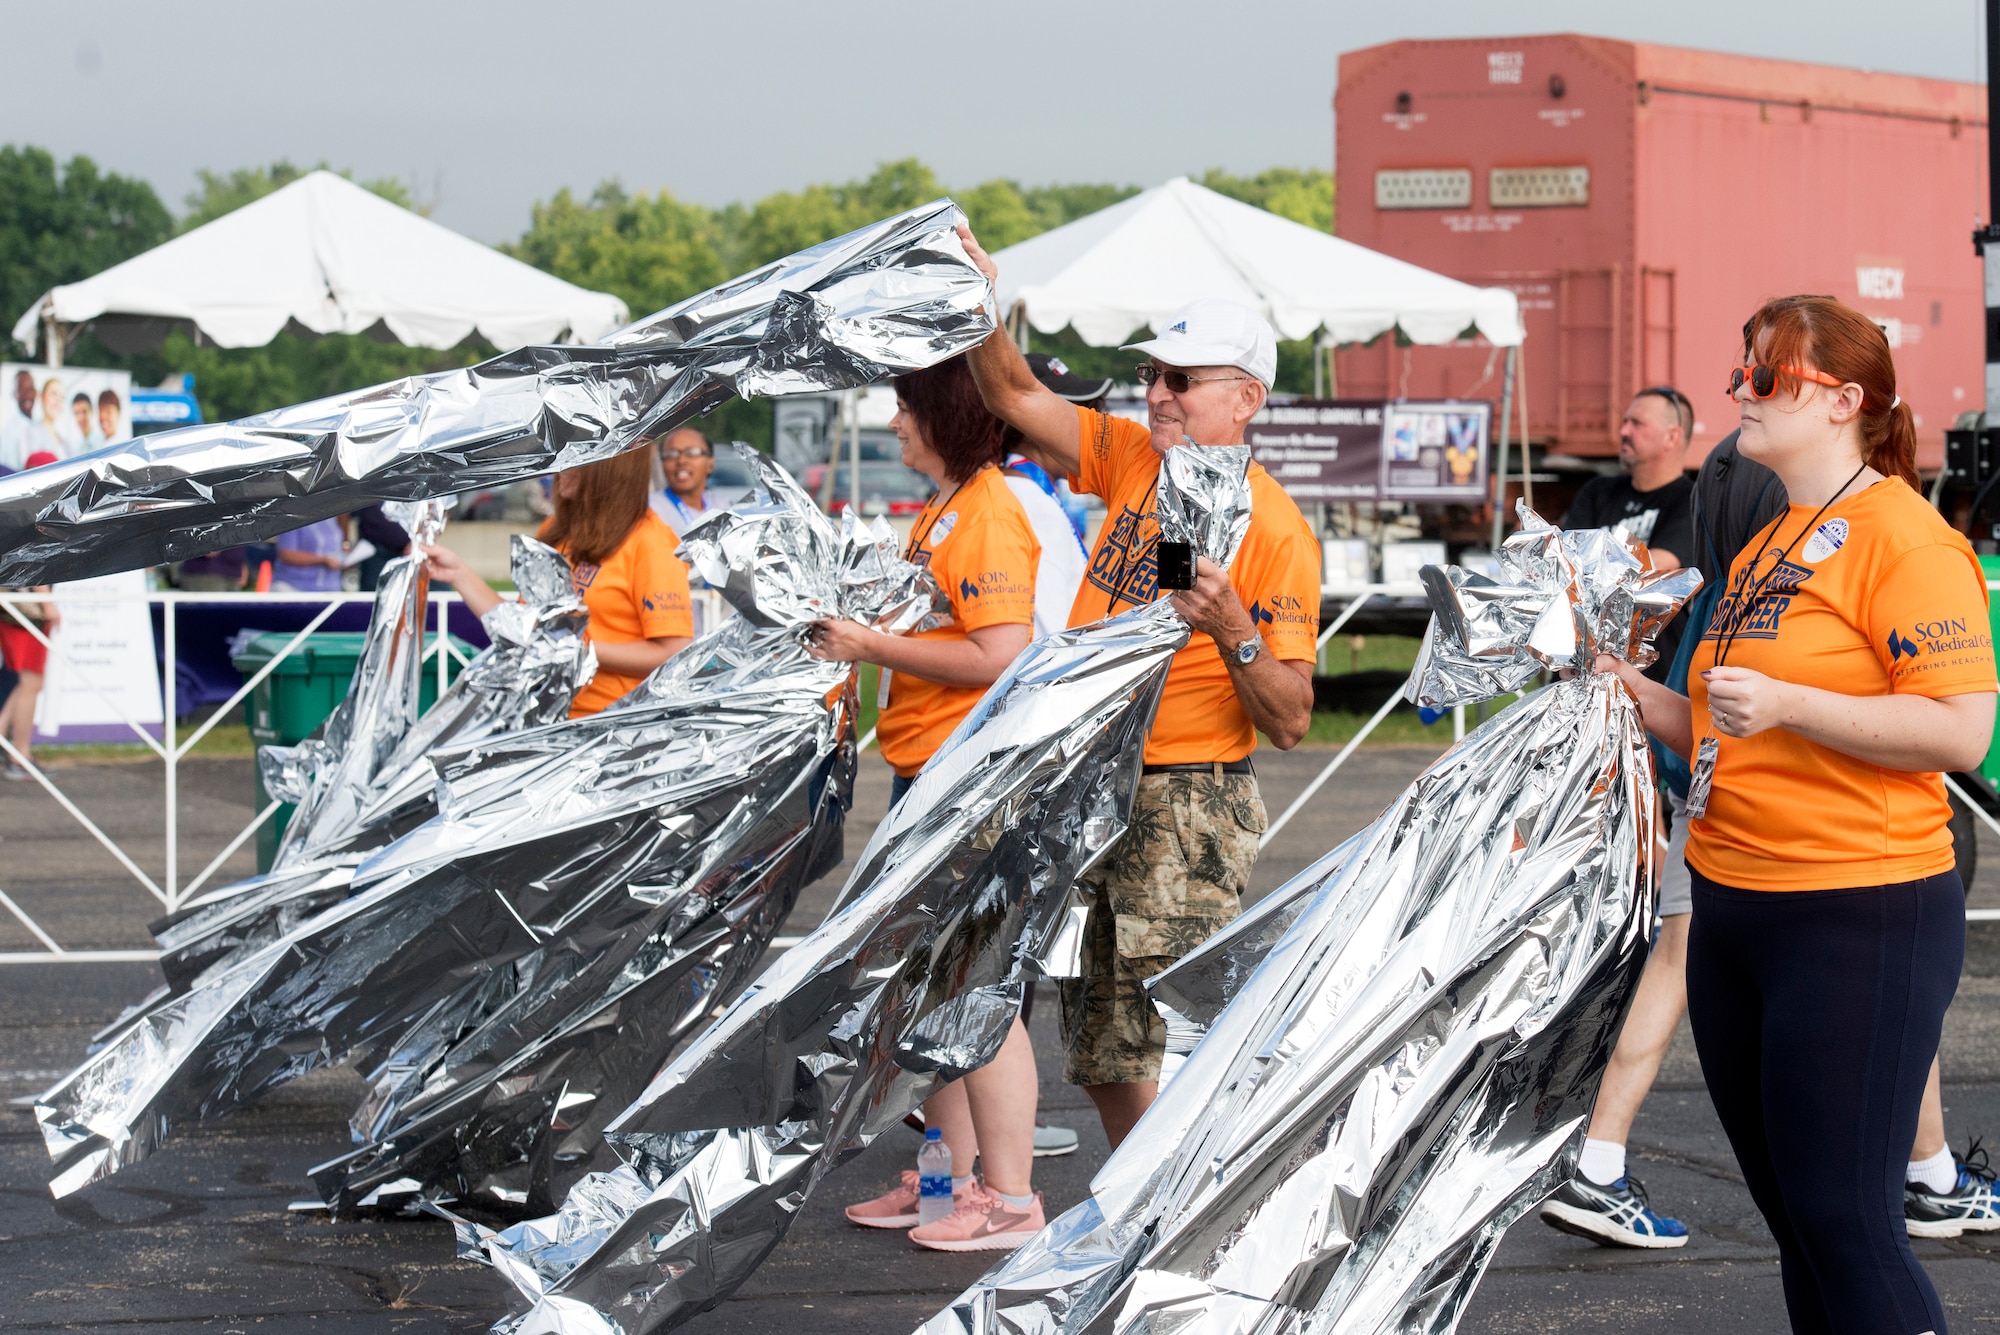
198	1238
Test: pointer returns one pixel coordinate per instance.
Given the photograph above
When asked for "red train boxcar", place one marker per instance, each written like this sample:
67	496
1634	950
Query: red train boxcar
1643	200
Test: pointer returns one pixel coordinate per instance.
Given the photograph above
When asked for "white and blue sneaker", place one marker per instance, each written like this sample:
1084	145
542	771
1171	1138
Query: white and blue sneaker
1971	1206
1613	1216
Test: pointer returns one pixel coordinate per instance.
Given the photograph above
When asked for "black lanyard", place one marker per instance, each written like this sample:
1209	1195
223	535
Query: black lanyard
1727	639
917	539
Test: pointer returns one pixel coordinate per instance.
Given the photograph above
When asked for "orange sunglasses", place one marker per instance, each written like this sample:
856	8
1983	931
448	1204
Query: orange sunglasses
1764	380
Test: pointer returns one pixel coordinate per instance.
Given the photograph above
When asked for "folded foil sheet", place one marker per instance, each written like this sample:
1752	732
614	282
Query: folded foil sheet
1564	596
535	662
575	875
888	298
966	891
329	776
1399	1050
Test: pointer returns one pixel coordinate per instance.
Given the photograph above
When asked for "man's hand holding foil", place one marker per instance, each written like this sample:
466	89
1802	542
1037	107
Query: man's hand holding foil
1276	694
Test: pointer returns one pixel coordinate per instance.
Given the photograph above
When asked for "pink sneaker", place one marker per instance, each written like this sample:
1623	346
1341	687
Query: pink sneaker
981	1223
895	1208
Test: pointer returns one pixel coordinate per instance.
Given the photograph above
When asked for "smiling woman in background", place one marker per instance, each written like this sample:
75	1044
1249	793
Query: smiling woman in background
622	559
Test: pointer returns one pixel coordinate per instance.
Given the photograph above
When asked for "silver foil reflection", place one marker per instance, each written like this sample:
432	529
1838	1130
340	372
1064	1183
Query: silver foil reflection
587	889
966	891
535	662
1564	596
498	1096
891	297
331	775
1398	1052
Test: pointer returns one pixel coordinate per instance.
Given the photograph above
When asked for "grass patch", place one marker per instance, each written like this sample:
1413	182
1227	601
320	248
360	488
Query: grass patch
1367	653
229	741
1399	729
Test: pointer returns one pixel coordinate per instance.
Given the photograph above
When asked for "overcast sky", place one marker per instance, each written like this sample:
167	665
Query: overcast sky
489	107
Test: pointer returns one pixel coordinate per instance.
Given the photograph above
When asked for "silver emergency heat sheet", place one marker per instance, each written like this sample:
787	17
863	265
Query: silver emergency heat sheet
888	298
330	776
536	660
571	867
966	891
1399	1053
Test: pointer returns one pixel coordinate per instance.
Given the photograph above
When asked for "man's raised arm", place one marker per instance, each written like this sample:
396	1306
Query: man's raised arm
1014	395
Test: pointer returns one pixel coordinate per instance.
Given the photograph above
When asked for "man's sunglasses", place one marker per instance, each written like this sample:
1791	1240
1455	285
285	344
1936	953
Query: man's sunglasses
1178	381
692	452
1764	379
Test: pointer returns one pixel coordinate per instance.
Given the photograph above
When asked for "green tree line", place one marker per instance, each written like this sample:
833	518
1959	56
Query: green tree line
60	225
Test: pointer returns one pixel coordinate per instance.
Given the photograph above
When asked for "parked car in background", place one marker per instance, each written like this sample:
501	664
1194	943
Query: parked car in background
888	486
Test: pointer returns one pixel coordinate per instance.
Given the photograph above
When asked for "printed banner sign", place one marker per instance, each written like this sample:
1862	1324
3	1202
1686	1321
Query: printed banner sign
1368	450
53	412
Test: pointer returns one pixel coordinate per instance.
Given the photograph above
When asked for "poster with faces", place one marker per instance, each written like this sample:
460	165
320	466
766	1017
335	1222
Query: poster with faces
57	412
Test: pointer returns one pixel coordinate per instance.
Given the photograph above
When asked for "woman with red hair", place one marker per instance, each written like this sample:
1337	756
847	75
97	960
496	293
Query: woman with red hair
1847	665
621	557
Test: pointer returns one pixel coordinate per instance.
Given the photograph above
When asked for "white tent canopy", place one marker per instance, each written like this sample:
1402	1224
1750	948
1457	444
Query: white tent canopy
1129	266
332	258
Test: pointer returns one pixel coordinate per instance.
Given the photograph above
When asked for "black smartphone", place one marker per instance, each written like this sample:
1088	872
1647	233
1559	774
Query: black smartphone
1176	565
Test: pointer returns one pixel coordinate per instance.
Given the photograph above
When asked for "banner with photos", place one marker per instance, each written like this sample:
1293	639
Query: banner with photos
55	412
1369	450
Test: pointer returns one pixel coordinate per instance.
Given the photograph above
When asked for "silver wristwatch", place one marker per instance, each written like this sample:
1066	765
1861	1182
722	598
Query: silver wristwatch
1246	653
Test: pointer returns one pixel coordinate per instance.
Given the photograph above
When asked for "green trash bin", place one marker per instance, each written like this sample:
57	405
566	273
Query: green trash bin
298	695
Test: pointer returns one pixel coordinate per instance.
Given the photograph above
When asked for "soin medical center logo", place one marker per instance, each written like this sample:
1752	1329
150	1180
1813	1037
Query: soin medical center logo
1930	638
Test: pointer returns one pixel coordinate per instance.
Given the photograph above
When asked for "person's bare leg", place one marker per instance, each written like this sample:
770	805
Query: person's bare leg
1002	1095
21	712
947	1110
1930	1119
1120	1107
1648	1033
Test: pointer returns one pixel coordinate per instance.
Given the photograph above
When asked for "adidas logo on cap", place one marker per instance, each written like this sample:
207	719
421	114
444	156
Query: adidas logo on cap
1213	332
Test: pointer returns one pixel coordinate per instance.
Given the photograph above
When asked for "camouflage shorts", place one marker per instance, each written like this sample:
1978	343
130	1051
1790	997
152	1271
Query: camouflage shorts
1173	880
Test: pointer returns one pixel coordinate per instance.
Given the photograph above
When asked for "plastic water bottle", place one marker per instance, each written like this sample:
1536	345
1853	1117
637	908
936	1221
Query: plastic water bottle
933	1178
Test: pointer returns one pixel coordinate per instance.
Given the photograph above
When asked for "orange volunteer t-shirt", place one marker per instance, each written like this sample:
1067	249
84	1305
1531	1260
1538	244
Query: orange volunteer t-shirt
982	551
1881	597
1276	574
641	593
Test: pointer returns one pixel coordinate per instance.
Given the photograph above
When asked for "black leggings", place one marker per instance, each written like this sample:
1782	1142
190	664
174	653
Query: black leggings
1816	1014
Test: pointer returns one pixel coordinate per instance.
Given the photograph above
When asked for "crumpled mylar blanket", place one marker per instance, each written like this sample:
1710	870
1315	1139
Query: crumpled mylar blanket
576	874
535	662
966	891
1402	1045
895	296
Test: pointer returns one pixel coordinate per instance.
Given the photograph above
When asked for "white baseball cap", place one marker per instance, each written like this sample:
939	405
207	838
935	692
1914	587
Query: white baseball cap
1214	332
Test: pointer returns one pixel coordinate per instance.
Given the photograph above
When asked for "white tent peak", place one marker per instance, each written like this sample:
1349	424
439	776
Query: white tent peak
1127	267
333	258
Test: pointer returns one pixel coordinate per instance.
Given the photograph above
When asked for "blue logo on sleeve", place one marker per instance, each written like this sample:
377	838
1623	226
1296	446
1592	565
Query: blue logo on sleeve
1260	615
1900	646
967	589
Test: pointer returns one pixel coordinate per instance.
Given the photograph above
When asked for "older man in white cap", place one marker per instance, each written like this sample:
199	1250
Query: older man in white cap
1177	875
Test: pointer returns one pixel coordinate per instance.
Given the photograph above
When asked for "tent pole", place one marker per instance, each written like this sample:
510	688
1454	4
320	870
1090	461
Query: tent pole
52	337
1319	365
1521	397
1017	319
854	450
1500	478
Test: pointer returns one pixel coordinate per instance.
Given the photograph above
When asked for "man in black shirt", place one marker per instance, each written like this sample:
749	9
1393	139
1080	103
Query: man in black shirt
1651	502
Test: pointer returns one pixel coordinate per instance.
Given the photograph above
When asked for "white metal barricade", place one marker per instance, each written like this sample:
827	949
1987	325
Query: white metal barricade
169	747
